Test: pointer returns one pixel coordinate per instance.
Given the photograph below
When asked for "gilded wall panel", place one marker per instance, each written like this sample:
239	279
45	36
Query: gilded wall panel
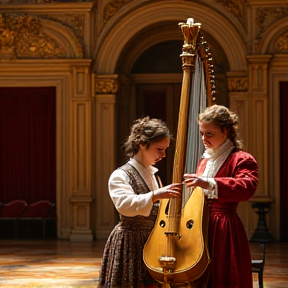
25	36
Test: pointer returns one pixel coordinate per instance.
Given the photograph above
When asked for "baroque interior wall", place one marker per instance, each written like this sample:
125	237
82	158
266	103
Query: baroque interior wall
42	46
240	29
76	47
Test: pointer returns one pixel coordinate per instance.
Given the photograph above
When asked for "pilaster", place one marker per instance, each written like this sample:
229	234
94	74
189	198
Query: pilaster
238	88
80	154
258	90
105	88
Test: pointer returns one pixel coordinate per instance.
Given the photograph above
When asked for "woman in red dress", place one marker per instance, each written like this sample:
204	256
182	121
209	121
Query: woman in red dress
227	175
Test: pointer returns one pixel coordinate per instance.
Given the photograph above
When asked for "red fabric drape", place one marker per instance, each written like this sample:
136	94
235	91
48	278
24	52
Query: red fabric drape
27	143
284	160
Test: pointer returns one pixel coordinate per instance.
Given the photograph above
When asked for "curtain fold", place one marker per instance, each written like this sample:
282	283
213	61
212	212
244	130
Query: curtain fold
27	143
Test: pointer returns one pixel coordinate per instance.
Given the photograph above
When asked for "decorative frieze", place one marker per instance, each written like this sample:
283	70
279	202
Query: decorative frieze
236	7
26	36
237	82
106	85
21	36
282	44
75	22
266	16
111	8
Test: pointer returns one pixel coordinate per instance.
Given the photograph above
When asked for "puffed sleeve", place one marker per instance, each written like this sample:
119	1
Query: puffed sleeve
237	179
125	200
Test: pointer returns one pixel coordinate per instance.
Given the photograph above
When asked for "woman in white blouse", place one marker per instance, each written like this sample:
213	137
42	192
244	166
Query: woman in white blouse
135	190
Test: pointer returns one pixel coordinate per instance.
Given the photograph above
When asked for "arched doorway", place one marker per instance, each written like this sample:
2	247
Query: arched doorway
155	86
119	46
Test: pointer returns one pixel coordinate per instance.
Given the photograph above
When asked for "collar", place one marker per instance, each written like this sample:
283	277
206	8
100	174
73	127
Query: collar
214	153
151	169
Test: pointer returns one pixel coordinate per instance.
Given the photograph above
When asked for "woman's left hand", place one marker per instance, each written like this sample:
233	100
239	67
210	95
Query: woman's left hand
193	180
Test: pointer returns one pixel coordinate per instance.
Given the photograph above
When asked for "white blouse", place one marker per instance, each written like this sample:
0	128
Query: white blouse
125	200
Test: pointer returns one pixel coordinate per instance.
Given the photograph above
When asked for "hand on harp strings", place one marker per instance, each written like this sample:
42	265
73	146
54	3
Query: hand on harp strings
170	191
193	180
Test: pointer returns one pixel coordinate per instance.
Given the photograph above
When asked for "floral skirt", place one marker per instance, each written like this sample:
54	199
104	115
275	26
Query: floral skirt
122	264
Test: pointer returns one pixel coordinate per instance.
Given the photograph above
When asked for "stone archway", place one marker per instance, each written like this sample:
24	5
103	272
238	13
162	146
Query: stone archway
121	30
115	37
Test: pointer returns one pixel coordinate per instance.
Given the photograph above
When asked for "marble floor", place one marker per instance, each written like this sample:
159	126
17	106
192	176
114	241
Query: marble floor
59	263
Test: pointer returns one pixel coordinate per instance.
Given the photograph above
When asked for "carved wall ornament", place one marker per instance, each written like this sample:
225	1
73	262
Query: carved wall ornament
267	16
111	8
75	22
236	7
238	84
282	44
21	36
106	86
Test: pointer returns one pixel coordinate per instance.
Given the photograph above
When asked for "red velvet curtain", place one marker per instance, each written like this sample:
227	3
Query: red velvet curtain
27	143
284	160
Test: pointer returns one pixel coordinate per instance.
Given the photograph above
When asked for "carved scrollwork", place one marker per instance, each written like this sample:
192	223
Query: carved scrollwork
112	7
236	7
282	44
27	36
21	37
238	84
106	86
266	17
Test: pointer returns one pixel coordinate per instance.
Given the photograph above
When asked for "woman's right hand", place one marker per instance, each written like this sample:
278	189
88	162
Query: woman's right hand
173	190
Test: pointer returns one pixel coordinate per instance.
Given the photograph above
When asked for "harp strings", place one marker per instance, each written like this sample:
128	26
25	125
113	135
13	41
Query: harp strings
197	103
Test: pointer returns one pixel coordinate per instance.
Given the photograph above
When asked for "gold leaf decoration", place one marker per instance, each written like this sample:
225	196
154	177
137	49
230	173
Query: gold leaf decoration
21	37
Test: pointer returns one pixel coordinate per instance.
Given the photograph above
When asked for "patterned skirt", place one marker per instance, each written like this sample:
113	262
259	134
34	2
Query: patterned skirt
122	264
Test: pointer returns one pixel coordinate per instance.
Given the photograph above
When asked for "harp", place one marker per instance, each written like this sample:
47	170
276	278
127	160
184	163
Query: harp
176	250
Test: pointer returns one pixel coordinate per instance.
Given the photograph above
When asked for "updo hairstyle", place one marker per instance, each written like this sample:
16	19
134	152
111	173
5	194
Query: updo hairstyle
143	132
225	119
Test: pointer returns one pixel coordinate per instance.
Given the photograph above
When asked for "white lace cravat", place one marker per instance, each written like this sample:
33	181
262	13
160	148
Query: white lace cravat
216	158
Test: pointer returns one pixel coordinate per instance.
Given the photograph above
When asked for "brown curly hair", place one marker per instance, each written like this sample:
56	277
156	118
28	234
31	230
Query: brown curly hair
143	132
225	119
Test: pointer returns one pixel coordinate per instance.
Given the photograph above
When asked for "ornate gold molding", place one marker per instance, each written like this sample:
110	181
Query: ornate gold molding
264	18
268	15
281	45
106	85
21	36
111	8
28	36
238	84
75	22
236	7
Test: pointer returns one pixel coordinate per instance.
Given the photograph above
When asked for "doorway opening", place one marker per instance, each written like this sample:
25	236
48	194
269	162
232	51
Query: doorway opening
28	151
284	160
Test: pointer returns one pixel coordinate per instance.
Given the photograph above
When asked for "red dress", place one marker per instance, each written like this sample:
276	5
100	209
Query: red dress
229	248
